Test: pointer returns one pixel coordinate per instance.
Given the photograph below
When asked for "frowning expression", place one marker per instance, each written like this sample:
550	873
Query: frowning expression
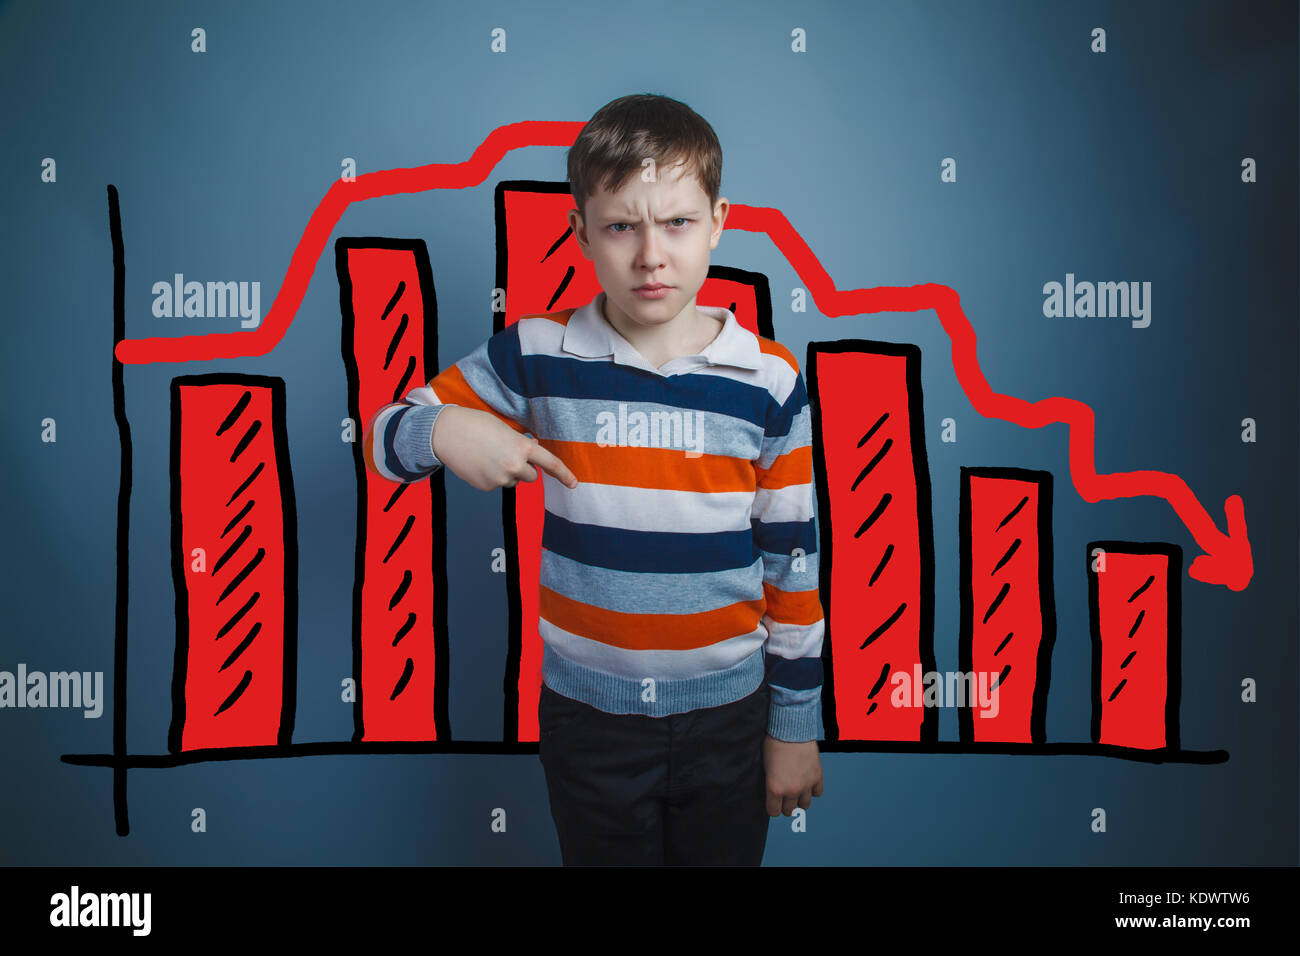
650	242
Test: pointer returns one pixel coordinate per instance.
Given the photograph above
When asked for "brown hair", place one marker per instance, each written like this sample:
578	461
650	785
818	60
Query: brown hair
614	142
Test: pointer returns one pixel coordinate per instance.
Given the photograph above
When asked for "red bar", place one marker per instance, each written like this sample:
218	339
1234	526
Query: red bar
234	563
1134	606
874	491
399	634
540	277
1008	617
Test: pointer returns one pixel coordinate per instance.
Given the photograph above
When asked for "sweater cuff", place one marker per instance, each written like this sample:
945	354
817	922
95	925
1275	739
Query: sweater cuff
414	439
795	716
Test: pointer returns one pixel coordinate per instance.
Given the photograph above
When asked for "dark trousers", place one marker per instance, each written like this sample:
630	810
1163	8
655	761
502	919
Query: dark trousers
634	790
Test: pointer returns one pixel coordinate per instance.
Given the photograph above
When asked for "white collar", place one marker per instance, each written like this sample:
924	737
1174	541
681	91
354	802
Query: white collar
588	334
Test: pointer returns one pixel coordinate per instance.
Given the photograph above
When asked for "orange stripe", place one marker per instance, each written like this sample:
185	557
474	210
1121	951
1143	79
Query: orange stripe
665	468
560	318
770	347
792	468
649	632
793	607
452	389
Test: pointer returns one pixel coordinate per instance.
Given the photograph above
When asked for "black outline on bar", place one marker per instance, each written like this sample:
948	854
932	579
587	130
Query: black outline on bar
124	484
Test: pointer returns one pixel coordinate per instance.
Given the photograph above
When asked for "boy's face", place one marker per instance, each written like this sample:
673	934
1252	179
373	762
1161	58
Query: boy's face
657	232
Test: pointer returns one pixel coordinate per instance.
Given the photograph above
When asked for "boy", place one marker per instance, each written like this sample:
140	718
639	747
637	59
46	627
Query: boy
679	613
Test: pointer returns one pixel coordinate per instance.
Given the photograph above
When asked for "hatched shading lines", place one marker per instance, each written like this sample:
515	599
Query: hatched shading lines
396	340
1004	590
237	692
248	638
405	679
226	555
247	481
399	391
227	423
1137	622
236	519
875	688
569	272
871	519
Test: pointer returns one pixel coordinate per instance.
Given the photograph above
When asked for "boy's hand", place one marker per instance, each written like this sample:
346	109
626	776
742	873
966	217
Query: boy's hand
794	774
488	454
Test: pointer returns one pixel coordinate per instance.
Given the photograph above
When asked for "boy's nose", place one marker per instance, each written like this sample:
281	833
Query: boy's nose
651	252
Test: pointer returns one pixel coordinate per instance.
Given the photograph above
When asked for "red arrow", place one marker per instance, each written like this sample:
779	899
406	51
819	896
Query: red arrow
1227	559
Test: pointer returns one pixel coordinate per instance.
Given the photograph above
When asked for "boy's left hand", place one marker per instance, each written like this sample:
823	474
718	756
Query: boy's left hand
794	774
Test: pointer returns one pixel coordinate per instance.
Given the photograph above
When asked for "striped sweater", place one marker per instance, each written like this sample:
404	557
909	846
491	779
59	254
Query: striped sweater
682	570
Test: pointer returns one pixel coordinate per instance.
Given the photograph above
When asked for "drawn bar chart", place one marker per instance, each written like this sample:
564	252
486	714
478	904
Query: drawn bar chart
234	550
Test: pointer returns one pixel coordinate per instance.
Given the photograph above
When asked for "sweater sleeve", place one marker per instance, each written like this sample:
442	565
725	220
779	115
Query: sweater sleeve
785	532
397	443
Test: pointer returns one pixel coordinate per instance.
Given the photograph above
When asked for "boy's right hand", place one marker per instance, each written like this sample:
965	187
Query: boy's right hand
488	454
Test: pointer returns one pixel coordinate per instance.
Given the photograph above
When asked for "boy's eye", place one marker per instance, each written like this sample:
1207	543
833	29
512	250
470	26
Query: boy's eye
682	219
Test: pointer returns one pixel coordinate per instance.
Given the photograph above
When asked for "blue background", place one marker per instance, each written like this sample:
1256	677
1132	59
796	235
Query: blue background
1116	166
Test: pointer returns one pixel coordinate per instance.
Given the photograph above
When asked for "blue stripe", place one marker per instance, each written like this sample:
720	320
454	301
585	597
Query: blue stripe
660	552
794	403
536	375
504	354
782	537
803	673
391	461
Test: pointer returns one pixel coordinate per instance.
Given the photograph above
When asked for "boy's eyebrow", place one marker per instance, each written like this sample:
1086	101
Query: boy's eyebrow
622	215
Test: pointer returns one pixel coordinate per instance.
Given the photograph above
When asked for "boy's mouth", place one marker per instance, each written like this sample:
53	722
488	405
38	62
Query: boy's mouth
654	290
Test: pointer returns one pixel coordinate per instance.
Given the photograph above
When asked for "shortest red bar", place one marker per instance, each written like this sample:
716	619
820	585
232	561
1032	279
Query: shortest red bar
1134	605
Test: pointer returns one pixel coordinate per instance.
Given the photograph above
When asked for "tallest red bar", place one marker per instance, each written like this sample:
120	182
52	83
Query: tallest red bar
543	270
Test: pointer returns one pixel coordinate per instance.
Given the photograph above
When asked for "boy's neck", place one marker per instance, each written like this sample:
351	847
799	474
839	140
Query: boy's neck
689	333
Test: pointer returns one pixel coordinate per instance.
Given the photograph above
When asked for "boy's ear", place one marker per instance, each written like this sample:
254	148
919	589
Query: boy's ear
579	231
720	211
